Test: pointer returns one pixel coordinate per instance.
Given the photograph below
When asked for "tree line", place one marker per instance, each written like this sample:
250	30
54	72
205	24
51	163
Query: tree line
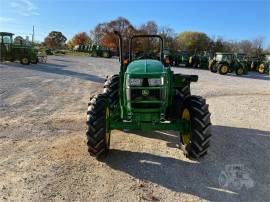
192	41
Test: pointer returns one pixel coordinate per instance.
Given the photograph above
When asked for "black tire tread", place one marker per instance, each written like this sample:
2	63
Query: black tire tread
111	88
96	128
200	127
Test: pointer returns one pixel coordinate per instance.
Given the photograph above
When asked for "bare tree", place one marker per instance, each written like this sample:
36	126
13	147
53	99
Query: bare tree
257	44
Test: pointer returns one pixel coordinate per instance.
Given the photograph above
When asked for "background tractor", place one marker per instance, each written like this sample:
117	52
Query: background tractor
199	60
182	58
12	52
146	95
100	51
242	57
169	56
255	62
263	67
224	63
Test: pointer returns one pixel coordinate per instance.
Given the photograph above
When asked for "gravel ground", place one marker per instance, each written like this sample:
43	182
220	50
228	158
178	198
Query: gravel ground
43	155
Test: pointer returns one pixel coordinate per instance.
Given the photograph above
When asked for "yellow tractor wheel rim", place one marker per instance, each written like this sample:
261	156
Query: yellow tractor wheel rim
224	69
190	60
25	60
261	68
107	135
186	135
240	71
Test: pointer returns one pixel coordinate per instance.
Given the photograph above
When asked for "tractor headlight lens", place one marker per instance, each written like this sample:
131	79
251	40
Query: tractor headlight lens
156	81
135	82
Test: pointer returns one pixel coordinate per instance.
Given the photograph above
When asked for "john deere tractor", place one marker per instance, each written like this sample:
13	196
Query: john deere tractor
12	52
100	51
199	60
169	56
225	63
263	68
182	58
146	95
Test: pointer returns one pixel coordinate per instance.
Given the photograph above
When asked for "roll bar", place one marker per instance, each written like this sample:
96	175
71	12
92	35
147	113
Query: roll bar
146	36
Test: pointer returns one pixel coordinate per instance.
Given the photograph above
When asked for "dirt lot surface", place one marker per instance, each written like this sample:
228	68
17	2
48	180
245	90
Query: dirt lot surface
43	155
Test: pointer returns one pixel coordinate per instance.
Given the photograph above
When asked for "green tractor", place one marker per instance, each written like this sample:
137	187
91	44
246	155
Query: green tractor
100	51
182	58
242	57
225	63
146	95
169	56
263	67
12	52
255	62
199	60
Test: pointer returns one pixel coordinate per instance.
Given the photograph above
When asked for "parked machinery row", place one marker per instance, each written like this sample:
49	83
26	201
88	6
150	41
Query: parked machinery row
220	62
94	50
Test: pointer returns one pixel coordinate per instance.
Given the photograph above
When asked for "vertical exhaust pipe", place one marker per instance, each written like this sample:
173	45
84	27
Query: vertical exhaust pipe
120	46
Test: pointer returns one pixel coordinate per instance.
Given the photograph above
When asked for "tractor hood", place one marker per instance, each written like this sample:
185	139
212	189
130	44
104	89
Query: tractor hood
145	66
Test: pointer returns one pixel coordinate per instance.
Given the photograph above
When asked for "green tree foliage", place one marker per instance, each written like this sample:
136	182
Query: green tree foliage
55	40
193	41
70	44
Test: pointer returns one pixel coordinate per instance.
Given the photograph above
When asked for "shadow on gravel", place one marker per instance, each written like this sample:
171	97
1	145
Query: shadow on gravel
61	60
172	138
52	68
252	75
230	146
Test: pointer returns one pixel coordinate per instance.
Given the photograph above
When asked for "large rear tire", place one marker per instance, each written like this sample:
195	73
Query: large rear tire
261	68
223	69
195	142
97	133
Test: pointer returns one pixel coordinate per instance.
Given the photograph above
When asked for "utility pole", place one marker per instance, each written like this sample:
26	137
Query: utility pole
33	35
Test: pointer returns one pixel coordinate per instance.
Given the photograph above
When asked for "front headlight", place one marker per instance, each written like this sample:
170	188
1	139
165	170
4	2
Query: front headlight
135	82
156	81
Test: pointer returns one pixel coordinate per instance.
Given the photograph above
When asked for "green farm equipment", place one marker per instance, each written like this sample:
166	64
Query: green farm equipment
242	57
225	63
199	60
12	52
146	95
100	51
169	56
263	68
255	62
94	50
182	58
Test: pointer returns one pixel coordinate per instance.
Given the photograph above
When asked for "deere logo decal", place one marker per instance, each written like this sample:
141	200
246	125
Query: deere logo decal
145	92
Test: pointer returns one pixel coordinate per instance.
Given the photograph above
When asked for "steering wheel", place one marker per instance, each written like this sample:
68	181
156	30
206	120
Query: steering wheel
147	55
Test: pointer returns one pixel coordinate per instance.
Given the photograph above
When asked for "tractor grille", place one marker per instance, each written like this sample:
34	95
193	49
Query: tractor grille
146	105
137	96
153	94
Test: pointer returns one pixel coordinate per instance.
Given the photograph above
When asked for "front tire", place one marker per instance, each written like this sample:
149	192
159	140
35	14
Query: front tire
34	60
239	71
25	61
97	133
111	88
212	66
195	142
